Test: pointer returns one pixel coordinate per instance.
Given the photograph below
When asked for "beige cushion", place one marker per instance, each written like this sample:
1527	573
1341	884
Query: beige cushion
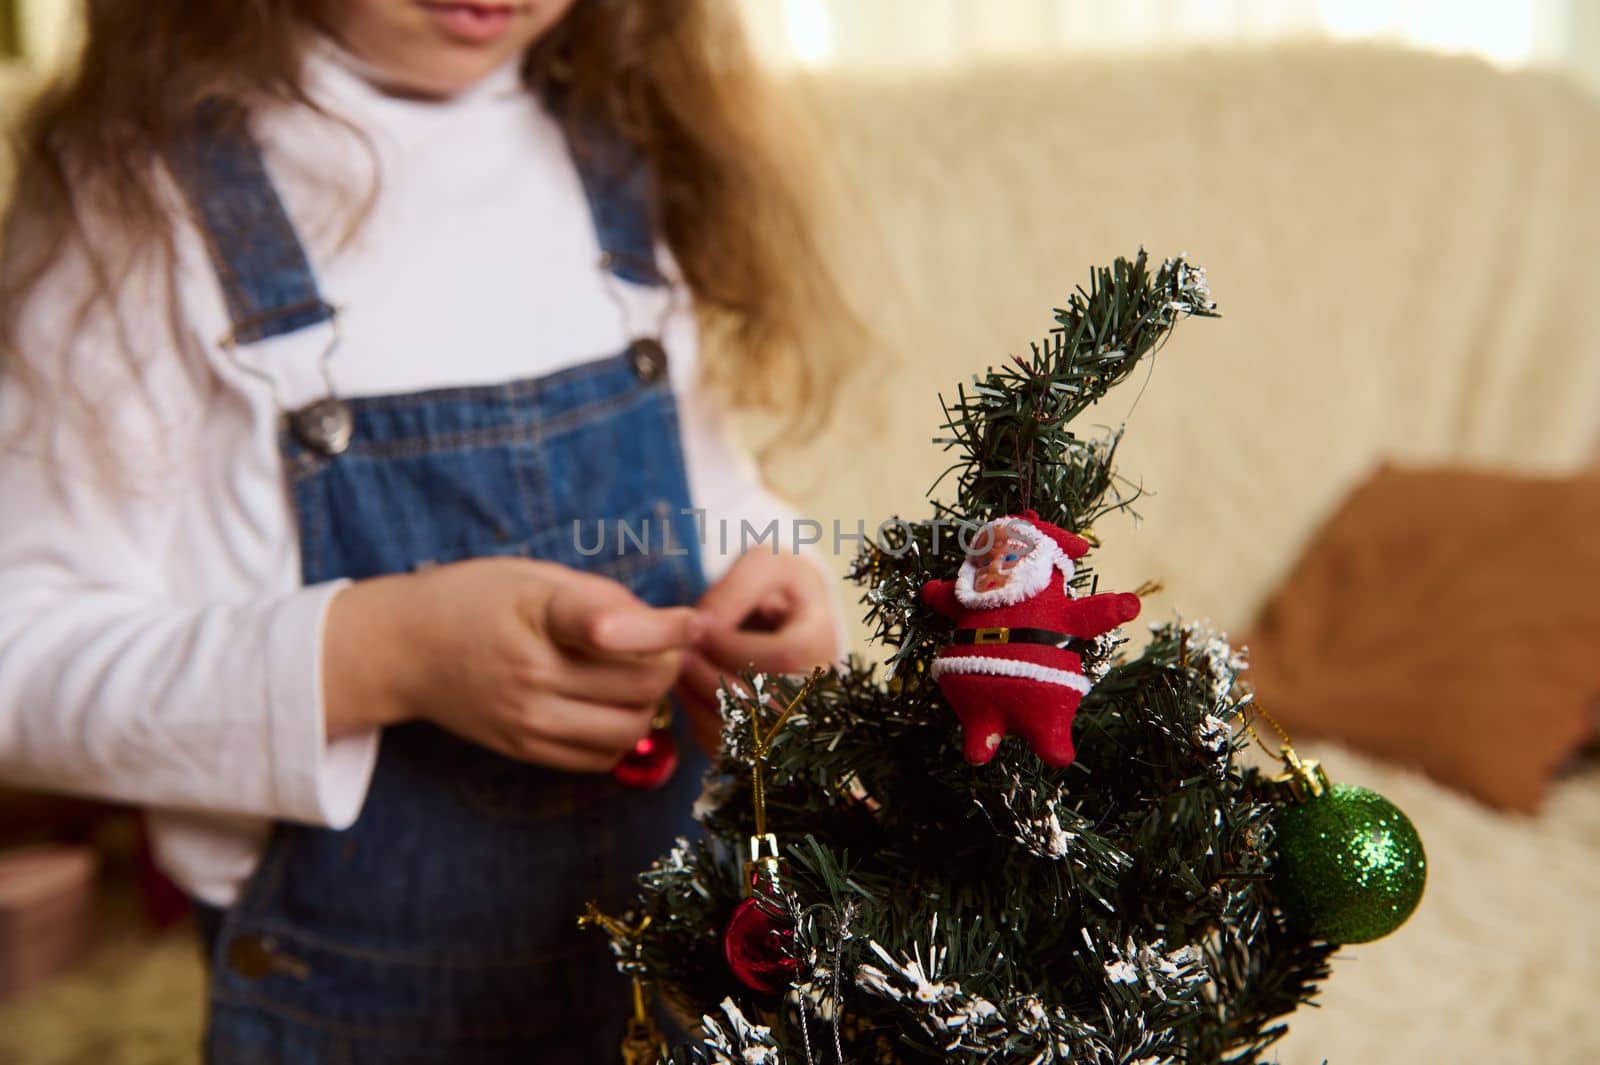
1445	620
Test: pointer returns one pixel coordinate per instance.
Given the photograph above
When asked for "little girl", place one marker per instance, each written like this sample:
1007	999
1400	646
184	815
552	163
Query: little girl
336	334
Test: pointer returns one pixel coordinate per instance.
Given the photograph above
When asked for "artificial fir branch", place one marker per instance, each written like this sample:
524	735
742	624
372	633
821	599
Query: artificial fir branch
1011	428
1111	912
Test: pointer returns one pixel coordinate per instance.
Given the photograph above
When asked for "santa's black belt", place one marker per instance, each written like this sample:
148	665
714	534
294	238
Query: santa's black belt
1002	634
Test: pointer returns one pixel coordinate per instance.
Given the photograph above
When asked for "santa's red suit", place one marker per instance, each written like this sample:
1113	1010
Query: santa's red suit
1013	664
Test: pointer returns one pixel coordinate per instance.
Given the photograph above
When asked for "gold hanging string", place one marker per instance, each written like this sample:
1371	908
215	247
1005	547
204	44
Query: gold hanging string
1246	712
758	784
763	744
1303	777
764	844
615	928
642	1042
1273	722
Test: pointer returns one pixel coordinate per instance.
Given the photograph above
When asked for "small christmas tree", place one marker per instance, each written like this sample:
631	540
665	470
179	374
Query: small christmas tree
1096	887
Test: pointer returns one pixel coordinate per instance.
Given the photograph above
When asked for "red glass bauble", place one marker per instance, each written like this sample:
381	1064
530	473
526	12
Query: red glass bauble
760	948
651	762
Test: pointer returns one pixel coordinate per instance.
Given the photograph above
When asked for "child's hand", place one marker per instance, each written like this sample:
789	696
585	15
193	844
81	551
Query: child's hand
770	612
528	658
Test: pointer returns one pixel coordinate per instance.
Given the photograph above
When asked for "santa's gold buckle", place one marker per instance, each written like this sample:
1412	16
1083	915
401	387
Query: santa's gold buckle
997	634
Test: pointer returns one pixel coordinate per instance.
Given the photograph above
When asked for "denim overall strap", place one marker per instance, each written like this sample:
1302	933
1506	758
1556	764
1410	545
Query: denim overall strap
440	927
617	185
265	278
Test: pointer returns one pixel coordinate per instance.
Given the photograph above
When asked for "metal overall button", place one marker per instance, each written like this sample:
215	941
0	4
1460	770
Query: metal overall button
648	359
324	426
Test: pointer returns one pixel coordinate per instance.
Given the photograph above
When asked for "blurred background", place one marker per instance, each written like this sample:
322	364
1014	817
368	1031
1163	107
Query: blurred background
1378	469
905	34
898	35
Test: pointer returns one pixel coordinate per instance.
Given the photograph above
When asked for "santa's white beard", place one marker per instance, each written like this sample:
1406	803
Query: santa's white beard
1030	576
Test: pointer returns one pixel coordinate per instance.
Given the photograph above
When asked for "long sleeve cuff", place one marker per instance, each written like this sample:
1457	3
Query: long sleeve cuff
315	781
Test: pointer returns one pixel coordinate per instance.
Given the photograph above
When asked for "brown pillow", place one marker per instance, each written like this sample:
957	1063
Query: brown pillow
1449	620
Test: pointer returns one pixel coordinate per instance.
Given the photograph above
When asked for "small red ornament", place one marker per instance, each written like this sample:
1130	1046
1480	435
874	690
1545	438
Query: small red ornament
759	947
653	759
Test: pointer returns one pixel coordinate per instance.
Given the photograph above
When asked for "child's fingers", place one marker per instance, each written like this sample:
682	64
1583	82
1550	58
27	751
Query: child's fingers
602	617
594	727
561	756
803	641
646	630
732	599
634	680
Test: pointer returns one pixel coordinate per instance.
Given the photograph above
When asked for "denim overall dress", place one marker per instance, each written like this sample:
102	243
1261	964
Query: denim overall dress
441	926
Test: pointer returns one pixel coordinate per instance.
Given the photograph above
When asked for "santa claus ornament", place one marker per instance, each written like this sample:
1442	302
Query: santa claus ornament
1015	660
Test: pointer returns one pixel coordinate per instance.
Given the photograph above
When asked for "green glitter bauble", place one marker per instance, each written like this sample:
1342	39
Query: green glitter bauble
1349	867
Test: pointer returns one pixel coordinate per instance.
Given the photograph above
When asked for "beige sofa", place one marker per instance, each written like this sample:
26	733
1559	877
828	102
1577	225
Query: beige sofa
1407	253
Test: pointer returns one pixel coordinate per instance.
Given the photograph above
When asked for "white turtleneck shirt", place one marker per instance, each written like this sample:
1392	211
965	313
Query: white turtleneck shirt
157	646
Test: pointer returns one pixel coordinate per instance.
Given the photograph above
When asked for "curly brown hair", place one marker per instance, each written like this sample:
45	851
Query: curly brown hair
674	77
